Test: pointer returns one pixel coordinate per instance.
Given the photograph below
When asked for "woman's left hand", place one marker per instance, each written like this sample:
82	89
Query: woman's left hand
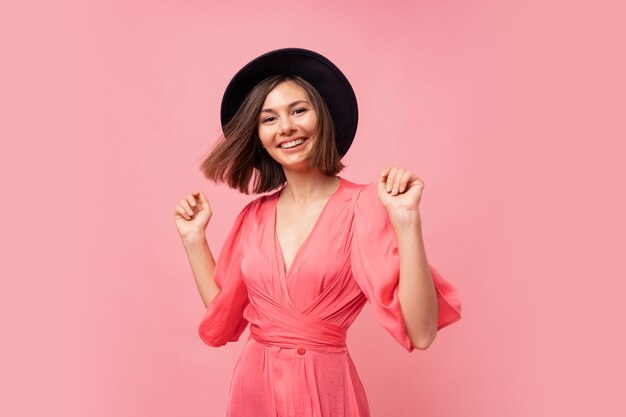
405	191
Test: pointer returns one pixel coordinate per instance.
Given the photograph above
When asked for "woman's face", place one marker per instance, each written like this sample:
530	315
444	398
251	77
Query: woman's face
286	115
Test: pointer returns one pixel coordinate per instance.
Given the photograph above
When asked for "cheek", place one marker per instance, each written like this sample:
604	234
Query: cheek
263	135
311	123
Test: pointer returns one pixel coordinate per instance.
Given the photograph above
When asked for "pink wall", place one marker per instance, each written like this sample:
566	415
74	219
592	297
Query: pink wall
511	111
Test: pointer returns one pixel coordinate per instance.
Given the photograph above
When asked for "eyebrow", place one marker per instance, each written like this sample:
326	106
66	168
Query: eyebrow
291	105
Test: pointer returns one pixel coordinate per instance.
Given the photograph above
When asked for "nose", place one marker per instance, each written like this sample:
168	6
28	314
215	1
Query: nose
286	125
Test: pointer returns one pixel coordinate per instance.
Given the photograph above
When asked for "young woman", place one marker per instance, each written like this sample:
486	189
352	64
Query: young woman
300	262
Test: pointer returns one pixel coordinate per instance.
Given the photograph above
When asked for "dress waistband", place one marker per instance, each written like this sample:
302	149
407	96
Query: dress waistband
274	324
324	337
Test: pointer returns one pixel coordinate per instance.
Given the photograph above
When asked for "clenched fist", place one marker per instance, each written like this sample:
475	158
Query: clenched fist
400	192
192	214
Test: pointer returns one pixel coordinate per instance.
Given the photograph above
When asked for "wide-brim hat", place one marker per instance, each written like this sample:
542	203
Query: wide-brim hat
315	68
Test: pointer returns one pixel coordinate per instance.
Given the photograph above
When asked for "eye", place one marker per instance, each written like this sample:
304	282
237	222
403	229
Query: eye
269	119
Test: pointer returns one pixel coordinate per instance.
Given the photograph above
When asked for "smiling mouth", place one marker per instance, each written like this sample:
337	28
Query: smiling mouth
293	143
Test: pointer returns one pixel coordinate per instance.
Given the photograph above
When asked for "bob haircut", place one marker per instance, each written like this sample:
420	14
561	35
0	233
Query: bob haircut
240	154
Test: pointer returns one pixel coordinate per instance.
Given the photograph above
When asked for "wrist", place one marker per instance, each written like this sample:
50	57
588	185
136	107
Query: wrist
193	239
406	218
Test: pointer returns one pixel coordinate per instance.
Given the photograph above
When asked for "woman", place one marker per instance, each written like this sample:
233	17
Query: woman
299	263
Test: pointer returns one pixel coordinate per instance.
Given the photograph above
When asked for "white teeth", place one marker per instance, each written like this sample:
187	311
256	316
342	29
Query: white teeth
292	143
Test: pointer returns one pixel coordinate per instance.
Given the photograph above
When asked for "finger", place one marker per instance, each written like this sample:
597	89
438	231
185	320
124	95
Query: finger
204	203
382	179
397	180
391	178
383	175
181	215
181	212
186	206
202	198
191	200
406	177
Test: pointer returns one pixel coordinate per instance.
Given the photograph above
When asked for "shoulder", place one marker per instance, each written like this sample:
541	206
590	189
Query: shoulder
259	204
357	188
365	200
362	191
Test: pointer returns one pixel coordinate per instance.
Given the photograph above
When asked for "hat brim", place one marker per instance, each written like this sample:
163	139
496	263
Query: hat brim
318	70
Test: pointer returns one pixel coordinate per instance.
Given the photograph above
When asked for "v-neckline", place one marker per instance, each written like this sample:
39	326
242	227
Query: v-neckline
279	250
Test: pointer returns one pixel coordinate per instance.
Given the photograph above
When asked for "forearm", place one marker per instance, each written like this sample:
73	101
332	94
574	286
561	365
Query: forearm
416	292
202	266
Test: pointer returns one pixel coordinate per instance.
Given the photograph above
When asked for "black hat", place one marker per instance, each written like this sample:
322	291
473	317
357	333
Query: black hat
318	70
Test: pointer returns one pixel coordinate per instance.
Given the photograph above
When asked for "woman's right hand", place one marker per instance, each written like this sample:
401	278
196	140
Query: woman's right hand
192	214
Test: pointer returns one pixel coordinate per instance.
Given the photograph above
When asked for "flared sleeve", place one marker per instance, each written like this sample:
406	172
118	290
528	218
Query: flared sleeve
223	319
375	264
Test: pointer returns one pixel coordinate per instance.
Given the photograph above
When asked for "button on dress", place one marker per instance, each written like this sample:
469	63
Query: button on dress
295	361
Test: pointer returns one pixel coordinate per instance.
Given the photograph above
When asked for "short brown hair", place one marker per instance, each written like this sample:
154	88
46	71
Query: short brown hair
239	154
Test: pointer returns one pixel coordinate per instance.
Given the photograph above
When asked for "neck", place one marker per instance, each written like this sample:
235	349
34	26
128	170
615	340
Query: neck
303	187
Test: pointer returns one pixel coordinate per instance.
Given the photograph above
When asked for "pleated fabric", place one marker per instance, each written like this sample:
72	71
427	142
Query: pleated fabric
295	361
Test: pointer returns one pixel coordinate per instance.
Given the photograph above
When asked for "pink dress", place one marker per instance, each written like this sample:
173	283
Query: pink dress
295	361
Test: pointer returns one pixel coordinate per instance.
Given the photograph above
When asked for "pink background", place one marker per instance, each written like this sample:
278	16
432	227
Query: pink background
511	111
